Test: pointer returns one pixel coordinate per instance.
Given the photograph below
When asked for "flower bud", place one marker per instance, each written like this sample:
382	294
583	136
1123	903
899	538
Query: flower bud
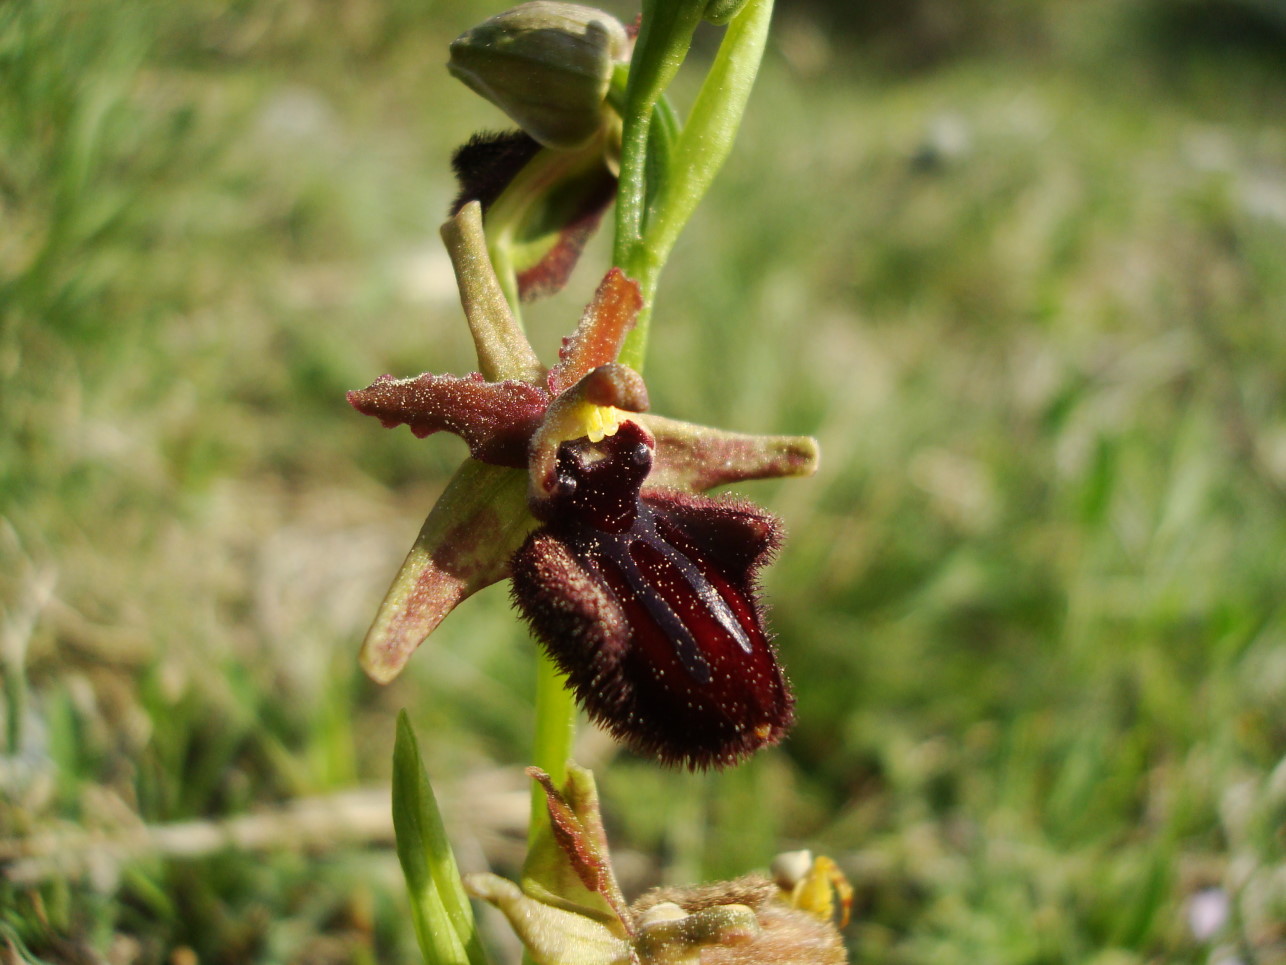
547	65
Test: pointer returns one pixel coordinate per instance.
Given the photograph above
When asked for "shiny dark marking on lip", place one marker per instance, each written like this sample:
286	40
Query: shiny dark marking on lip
647	602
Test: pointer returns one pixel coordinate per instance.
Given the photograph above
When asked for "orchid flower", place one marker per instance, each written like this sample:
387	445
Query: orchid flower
640	587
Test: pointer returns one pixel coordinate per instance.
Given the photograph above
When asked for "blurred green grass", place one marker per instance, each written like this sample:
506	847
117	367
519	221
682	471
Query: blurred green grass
1029	291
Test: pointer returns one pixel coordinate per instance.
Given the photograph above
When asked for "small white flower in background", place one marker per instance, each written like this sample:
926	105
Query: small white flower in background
1208	912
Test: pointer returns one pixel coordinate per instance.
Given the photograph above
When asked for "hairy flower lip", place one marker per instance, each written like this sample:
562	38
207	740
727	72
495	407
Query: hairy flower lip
649	604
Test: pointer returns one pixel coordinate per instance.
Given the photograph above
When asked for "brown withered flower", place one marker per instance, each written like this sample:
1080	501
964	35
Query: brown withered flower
639	587
569	910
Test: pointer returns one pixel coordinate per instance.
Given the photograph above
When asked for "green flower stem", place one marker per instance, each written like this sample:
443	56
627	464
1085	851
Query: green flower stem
662	44
655	200
706	138
555	731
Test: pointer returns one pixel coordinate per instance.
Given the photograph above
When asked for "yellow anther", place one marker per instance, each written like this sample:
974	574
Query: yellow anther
594	407
601	421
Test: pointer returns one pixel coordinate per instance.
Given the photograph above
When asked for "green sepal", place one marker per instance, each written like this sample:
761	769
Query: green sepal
502	347
476	525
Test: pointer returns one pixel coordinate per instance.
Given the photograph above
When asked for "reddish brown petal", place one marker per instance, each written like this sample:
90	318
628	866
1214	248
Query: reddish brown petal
597	339
578	218
496	419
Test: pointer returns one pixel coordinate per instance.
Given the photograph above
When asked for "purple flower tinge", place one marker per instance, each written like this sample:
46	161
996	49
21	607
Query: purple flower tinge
640	588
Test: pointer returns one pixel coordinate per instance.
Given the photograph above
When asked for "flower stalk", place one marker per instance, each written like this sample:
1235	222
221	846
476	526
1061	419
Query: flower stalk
655	201
555	731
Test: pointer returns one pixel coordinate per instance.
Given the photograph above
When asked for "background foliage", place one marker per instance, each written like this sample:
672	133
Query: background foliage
1018	264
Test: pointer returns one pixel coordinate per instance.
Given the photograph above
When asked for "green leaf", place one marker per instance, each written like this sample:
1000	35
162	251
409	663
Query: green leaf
706	138
439	906
664	37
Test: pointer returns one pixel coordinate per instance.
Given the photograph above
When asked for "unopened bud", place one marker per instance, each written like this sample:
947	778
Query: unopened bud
547	65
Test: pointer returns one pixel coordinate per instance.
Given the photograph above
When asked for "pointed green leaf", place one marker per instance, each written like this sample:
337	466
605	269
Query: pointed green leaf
439	906
706	138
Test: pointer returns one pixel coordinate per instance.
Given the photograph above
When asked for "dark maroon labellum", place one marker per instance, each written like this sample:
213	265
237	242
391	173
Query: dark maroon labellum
648	603
486	164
